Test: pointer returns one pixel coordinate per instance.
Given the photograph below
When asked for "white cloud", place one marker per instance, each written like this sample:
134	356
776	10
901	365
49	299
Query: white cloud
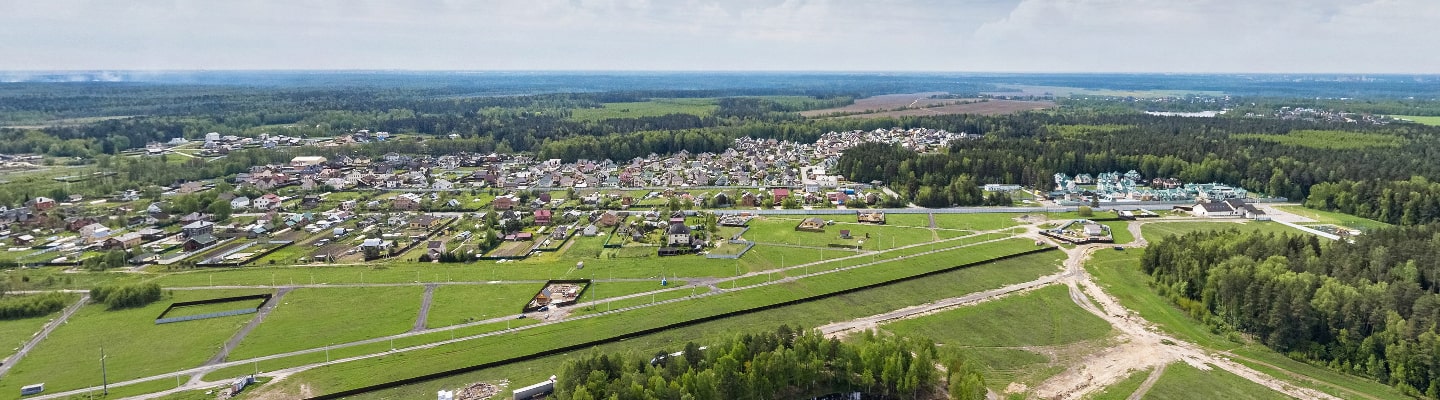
989	35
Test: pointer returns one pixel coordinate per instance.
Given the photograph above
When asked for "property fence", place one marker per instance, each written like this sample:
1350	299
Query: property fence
578	296
161	319
247	260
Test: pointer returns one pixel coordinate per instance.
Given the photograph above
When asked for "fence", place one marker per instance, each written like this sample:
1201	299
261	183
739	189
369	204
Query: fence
256	256
162	320
578	296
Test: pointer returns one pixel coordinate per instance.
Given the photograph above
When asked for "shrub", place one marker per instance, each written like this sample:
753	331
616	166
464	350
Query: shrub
16	307
126	296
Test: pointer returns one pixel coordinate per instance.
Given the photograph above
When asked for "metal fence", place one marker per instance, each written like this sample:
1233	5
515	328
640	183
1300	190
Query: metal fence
206	316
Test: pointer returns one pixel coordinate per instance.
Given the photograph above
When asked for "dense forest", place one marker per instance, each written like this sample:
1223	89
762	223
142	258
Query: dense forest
1030	148
785	364
1409	202
1370	307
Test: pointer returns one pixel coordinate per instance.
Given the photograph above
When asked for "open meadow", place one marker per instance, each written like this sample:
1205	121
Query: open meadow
134	345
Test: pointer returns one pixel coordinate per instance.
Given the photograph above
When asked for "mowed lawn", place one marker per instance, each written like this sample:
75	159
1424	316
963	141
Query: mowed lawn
458	304
1182	381
1158	231
134	345
976	222
1334	218
310	318
781	230
15	332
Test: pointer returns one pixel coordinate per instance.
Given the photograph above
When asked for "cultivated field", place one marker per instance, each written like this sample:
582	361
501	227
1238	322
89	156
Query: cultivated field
988	107
1434	121
883	102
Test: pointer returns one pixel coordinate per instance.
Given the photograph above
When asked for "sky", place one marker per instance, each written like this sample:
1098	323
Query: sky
1198	36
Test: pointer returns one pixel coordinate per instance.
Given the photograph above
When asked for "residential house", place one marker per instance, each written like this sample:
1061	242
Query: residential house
542	216
406	201
677	235
505	202
240	203
267	202
125	241
197	228
425	221
199	241
434	249
94	232
608	218
151	234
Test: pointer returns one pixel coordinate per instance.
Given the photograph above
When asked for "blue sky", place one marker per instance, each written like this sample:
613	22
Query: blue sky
1350	36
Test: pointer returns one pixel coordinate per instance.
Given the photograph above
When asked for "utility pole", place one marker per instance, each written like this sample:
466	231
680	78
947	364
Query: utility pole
104	375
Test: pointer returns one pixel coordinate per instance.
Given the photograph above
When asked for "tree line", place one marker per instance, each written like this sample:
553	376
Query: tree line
117	296
1408	202
1369	308
787	363
38	305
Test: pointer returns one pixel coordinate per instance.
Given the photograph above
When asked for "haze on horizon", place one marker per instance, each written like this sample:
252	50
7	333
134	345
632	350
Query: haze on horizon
1202	36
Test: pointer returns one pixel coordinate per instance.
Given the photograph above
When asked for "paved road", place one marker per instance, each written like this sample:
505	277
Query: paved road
50	327
254	322
424	308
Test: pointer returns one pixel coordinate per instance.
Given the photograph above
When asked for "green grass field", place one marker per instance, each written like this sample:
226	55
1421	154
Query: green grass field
551	336
976	222
1335	140
15	332
1181	381
458	304
1334	218
309	318
1042	317
1121	390
1157	231
1120	231
997	333
653	108
1432	121
809	314
781	230
134	345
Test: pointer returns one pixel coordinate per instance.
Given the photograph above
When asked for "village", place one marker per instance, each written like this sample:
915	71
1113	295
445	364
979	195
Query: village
468	206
